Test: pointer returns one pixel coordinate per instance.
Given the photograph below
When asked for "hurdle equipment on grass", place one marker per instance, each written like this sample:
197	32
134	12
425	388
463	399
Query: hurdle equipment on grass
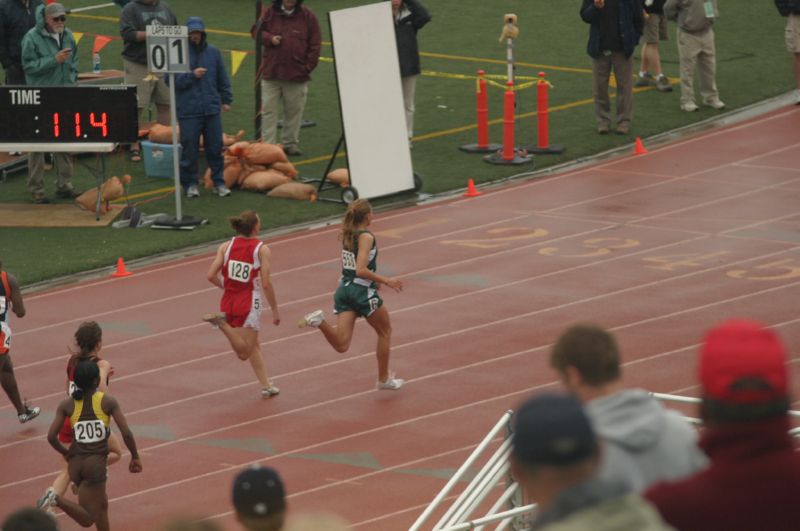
482	105
543	146
509	154
121	270
639	148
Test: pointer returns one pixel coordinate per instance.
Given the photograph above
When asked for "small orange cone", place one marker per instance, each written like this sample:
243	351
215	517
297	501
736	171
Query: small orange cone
639	149
121	271
471	190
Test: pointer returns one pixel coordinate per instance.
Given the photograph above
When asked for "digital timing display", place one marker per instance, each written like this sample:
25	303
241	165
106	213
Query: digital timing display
98	113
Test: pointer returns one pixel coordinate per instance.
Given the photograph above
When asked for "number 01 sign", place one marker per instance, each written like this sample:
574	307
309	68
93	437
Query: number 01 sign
167	49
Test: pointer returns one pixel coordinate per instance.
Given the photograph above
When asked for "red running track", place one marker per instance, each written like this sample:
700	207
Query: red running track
656	247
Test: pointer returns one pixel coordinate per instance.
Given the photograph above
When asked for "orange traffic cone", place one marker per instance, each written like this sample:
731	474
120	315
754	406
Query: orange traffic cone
121	271
639	148
471	190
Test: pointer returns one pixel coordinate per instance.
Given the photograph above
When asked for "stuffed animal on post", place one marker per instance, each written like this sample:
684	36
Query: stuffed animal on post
510	29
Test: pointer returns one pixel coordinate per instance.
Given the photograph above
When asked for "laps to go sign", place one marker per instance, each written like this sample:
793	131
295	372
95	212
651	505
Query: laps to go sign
167	49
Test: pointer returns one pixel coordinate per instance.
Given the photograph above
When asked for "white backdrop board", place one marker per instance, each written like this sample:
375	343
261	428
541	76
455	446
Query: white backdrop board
371	99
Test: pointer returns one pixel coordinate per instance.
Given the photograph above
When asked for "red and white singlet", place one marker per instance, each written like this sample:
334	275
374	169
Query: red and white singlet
241	279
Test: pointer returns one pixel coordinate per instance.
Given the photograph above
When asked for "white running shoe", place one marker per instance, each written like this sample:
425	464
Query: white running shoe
192	191
48	499
391	384
313	319
30	414
270	391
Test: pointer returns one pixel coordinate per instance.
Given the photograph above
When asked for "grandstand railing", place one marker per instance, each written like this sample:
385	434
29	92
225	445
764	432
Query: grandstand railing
459	516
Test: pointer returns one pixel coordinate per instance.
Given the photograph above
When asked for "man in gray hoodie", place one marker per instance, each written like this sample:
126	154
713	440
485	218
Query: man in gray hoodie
644	442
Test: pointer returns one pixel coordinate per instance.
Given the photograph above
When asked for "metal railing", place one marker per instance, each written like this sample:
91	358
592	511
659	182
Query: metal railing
459	516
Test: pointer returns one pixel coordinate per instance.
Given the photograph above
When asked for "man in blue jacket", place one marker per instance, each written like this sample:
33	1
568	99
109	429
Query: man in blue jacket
201	95
616	26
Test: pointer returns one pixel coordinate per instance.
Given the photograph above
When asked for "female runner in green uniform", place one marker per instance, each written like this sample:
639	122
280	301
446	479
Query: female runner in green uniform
357	294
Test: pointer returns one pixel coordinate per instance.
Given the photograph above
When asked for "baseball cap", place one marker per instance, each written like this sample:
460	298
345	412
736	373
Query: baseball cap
54	10
195	24
743	362
552	429
258	491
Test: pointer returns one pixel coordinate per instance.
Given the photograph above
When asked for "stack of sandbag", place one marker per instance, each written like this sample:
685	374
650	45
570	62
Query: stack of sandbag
112	189
262	167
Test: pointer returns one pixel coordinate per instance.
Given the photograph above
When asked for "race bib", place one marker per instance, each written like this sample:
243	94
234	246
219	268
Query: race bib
90	431
3	304
239	271
348	260
709	8
5	333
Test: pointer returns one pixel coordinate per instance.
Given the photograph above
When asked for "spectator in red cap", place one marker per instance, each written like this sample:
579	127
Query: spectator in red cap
753	481
259	499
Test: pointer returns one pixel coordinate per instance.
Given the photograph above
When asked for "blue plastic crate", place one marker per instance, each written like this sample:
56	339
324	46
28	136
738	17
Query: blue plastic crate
158	159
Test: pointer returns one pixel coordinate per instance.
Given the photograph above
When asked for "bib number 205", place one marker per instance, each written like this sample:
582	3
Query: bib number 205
90	431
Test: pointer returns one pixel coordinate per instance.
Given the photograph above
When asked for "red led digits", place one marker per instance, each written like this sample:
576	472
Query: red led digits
56	125
102	124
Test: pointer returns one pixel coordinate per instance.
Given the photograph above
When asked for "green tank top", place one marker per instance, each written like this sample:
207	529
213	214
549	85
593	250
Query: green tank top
349	261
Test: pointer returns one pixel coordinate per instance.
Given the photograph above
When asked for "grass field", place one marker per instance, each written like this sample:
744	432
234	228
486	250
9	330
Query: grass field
462	38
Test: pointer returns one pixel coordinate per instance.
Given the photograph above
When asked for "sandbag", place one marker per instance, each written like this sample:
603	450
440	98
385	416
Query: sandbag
208	183
294	190
161	134
287	168
111	189
229	140
237	149
263	153
232	171
264	180
340	176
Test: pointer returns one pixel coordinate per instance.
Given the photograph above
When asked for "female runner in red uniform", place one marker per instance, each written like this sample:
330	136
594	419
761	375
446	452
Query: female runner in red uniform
90	412
89	339
241	268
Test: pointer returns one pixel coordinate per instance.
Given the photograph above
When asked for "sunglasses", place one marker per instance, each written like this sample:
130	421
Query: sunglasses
62	18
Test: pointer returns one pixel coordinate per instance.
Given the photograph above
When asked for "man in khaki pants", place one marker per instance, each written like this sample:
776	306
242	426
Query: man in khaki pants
696	47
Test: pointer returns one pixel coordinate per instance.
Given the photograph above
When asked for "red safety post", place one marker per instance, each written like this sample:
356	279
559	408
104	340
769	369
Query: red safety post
508	121
541	111
543	146
482	106
509	154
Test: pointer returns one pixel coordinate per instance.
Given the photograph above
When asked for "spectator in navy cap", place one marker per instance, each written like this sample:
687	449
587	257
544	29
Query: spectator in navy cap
259	499
753	481
555	458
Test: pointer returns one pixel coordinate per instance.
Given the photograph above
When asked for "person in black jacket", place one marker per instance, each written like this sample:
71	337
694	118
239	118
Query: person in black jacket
615	29
791	10
16	18
409	17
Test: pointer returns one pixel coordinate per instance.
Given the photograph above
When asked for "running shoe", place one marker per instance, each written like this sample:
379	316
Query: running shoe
391	384
48	499
313	319
30	414
270	391
214	318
